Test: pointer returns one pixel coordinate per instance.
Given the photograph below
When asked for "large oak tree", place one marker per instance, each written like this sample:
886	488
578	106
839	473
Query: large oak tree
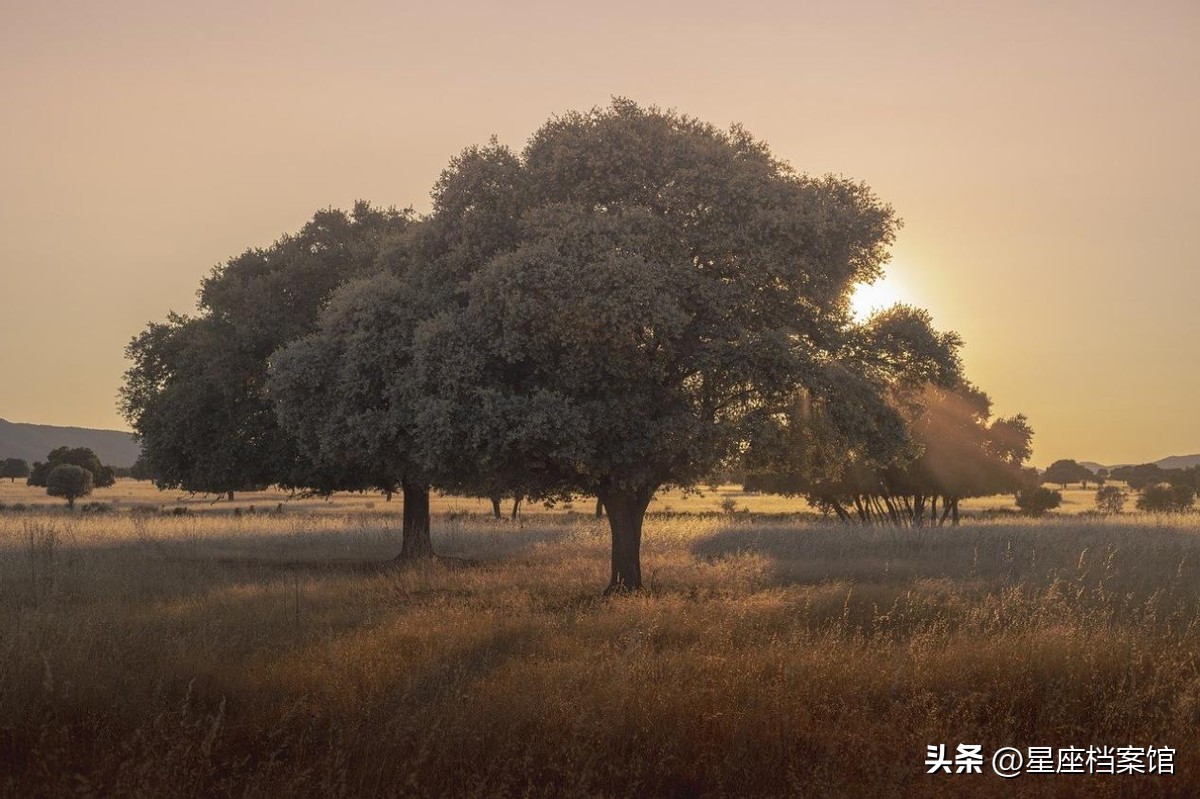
672	285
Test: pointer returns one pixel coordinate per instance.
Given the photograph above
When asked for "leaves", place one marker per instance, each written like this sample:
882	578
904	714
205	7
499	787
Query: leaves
670	283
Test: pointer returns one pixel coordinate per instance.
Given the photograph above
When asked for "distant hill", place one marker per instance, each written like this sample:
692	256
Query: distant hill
32	442
1171	462
1179	462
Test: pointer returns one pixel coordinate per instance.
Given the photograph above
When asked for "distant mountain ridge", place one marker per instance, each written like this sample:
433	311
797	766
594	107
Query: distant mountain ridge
1169	462
32	442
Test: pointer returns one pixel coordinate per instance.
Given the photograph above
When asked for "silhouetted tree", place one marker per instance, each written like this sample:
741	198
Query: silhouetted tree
102	476
1036	501
953	450
1138	477
12	468
70	482
1064	471
1166	498
1110	499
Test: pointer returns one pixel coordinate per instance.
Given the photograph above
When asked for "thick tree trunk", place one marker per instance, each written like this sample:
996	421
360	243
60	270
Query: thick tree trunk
229	496
415	541
495	498
599	508
626	511
516	511
954	512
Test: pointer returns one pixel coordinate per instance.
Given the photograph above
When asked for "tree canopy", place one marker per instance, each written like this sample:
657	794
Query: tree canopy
12	468
83	457
943	442
1110	499
69	481
1063	472
1036	500
195	394
344	393
672	284
1166	498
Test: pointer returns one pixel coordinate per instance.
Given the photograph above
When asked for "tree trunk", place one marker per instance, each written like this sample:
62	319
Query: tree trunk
415	541
842	513
495	498
70	503
229	496
626	510
516	506
954	512
861	509
599	508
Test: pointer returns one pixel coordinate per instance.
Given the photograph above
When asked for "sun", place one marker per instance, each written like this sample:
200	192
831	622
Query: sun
868	298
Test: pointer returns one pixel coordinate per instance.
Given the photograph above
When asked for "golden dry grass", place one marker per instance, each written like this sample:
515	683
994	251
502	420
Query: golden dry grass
209	655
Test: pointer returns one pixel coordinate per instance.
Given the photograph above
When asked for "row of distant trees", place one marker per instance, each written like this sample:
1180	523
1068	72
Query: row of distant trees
1152	498
1159	490
67	472
1066	472
19	469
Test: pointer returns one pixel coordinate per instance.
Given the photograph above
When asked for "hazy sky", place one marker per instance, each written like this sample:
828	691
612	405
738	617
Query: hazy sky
1044	156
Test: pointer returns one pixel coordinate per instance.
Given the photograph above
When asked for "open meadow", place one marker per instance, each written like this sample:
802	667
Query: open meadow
286	654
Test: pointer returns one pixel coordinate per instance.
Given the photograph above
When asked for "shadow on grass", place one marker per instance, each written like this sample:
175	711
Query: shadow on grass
990	552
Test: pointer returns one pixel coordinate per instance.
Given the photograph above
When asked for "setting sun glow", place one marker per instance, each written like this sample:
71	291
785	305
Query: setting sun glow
871	297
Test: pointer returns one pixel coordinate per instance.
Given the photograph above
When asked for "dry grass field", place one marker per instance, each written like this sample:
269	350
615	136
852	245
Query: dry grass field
286	655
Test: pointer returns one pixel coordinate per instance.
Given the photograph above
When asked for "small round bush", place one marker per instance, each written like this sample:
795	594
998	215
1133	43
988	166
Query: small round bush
1036	501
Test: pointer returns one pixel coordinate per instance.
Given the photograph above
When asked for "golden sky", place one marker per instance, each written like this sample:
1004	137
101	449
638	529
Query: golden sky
1044	156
